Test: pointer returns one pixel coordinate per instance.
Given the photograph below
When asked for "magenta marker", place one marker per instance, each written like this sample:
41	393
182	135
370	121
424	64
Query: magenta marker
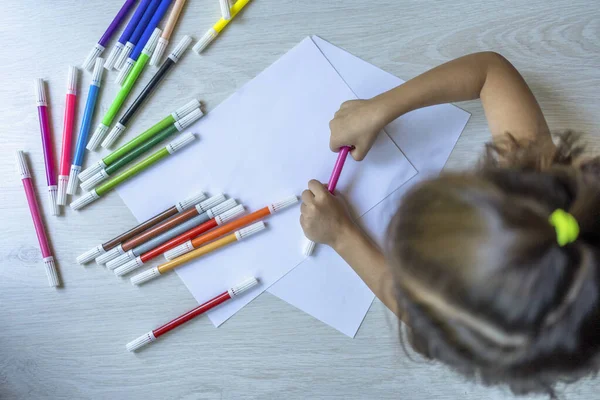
309	246
42	106
114	25
67	138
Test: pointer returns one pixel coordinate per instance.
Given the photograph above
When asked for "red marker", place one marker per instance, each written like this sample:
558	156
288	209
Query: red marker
182	319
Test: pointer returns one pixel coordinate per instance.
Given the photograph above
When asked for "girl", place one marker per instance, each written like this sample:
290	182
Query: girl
494	271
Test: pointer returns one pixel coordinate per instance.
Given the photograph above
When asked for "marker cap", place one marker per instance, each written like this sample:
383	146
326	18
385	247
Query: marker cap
90	254
127	67
51	271
22	167
205	40
109	255
210	203
309	247
91	170
250	230
124	55
122	259
159	51
61	198
92	55
72	80
97	137
221	208
188	120
141	341
280	205
179	250
94	180
72	185
190	202
243	286
113	135
97	73
151	43
84	200
52	194
145	276
225	10
179	143
113	56
180	48
230	214
41	100
129	266
186	109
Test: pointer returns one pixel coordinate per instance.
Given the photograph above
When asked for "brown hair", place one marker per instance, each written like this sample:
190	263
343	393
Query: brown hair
478	272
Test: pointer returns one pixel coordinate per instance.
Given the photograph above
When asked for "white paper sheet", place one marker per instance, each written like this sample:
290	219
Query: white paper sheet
327	288
260	145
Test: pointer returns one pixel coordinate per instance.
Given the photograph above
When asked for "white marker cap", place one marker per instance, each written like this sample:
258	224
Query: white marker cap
190	202
179	250
22	166
97	73
230	215
41	100
185	109
93	54
127	67
205	40
250	230
280	205
209	203
52	194
122	259
141	341
129	266
72	80
91	171
91	254
179	143
84	200
61	198
109	255
242	287
97	137
180	48
158	51
225	9
51	271
221	208
188	120
72	185
151	43
114	134
145	276
309	247
124	55
94	180
113	56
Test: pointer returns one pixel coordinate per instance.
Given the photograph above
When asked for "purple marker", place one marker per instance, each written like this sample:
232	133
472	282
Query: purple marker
137	33
131	25
99	47
42	106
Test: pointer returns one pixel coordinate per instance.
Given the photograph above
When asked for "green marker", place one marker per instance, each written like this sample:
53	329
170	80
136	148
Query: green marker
115	181
175	116
122	94
146	146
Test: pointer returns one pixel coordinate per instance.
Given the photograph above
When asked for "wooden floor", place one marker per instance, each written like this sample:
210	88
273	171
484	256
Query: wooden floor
69	343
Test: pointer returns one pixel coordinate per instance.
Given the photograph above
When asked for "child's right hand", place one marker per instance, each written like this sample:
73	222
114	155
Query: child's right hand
356	124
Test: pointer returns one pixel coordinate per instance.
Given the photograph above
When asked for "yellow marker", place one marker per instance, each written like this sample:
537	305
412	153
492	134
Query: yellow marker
218	27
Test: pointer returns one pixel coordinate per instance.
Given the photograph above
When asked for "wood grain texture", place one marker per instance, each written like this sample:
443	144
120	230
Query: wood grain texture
70	343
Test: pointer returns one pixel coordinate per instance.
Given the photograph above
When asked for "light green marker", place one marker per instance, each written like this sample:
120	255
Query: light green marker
122	94
115	181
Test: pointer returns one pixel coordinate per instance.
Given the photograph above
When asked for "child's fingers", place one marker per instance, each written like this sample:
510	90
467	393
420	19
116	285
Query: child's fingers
307	197
317	188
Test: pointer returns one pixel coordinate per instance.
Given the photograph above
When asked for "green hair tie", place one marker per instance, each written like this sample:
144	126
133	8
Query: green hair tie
567	228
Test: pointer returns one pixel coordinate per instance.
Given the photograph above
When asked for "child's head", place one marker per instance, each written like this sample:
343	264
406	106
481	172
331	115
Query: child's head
483	281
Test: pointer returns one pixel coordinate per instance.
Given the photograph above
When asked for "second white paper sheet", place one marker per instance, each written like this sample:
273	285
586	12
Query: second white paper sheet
261	145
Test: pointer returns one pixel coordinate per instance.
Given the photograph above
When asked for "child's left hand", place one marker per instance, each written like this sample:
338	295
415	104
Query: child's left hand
324	217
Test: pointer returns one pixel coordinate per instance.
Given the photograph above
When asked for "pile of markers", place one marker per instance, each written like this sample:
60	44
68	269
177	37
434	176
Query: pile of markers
189	229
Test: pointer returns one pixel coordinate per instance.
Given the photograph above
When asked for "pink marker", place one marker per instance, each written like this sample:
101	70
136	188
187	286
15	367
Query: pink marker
37	219
68	122
309	246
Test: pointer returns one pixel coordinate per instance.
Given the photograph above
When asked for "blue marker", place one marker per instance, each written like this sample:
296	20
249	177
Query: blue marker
86	123
137	33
